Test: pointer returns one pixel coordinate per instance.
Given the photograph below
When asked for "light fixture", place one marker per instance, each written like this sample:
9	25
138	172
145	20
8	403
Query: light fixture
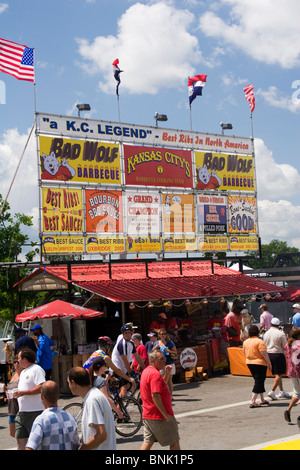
160	117
225	126
267	297
187	302
149	304
205	301
82	107
131	306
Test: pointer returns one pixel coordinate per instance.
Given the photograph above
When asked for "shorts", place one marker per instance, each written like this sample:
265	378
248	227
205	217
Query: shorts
296	387
161	431
278	363
11	419
24	421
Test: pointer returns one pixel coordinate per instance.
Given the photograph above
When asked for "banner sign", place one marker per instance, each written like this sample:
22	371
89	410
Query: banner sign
62	244
243	243
95	244
143	213
81	161
224	172
104	211
211	243
212	214
242	214
153	166
179	243
144	244
178	213
109	187
77	127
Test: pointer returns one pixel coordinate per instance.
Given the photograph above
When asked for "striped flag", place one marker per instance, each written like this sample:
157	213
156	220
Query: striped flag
195	85
250	96
116	72
17	60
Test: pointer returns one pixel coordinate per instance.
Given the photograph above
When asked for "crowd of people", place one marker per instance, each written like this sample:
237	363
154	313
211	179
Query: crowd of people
37	422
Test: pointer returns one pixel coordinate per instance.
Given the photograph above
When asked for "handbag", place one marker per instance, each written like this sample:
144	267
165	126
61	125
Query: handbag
173	356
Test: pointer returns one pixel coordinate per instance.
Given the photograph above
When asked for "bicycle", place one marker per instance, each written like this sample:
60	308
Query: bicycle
75	409
131	408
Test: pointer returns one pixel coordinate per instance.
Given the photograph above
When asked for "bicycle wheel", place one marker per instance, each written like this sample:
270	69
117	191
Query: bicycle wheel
75	409
132	421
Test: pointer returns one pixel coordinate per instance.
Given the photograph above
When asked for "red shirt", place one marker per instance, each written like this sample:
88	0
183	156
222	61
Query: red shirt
142	351
153	382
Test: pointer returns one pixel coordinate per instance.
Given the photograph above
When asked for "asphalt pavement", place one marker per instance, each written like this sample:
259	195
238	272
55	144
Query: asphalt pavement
212	415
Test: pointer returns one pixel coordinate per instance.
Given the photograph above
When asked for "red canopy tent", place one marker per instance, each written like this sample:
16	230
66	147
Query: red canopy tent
58	309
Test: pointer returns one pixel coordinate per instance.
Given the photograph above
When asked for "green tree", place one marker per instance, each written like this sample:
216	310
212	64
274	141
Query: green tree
269	253
12	240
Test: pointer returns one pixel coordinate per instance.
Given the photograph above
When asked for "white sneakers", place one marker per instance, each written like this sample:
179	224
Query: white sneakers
282	394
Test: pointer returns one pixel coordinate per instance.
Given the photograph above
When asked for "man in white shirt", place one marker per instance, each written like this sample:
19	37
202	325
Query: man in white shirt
29	395
97	425
265	318
296	315
275	340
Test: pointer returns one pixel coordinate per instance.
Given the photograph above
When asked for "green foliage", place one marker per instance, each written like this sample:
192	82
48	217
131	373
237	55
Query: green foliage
269	253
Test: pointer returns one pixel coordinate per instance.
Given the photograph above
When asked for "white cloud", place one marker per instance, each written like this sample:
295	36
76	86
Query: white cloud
274	180
268	30
154	47
275	98
20	184
279	219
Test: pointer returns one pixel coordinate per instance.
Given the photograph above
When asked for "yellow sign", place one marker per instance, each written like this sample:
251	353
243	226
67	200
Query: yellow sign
82	161
212	243
178	213
104	244
143	244
62	210
224	172
178	243
62	244
245	243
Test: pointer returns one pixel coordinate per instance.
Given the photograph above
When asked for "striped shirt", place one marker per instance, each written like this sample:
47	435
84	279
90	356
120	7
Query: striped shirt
54	429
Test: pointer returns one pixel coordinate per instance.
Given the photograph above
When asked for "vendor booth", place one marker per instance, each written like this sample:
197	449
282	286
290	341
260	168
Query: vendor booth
137	292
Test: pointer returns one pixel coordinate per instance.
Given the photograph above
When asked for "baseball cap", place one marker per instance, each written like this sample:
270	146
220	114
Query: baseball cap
151	334
263	305
162	315
36	327
296	306
275	321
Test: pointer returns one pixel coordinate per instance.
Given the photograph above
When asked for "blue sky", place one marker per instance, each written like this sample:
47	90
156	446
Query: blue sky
159	44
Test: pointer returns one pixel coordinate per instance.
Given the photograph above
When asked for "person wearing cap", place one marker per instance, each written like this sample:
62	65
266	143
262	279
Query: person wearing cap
265	318
141	350
296	317
153	336
275	340
23	341
160	322
123	353
104	351
44	353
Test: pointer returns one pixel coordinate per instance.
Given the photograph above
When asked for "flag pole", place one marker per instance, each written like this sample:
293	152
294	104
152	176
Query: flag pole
118	100
191	125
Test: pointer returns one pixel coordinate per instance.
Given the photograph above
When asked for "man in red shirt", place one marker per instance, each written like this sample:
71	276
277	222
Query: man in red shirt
141	350
159	421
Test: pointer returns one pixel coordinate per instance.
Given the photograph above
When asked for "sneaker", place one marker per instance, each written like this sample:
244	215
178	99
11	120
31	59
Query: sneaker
284	394
287	416
272	395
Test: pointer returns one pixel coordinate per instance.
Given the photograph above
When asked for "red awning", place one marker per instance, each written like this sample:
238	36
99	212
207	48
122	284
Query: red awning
136	281
57	309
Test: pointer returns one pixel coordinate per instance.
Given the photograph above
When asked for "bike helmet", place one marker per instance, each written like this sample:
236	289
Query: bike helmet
104	341
126	327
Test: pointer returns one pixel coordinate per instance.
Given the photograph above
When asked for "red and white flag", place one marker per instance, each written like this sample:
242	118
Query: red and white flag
250	96
17	60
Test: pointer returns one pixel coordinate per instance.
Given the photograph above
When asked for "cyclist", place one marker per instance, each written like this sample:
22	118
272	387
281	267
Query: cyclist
123	353
104	350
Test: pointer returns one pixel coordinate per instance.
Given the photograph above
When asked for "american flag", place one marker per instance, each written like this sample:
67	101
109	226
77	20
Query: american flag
250	96
17	60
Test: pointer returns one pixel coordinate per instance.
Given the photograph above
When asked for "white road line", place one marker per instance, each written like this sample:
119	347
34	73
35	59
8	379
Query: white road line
210	410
